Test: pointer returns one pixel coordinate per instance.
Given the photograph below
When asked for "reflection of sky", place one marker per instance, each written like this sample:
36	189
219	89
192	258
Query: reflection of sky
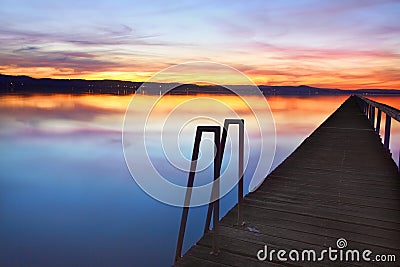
167	120
66	196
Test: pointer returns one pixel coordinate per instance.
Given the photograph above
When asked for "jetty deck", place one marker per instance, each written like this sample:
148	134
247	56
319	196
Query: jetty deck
340	183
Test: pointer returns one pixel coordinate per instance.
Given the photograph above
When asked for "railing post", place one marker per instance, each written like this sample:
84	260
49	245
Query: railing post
241	173
372	117
369	112
364	106
378	121
398	165
387	132
216	190
228	122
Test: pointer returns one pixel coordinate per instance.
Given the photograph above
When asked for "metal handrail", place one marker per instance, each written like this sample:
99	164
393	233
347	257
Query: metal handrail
240	123
213	206
217	162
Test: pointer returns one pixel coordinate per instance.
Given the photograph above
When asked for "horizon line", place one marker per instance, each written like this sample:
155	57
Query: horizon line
197	84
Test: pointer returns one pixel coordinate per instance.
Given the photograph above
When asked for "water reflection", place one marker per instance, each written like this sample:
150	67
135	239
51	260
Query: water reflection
67	198
169	127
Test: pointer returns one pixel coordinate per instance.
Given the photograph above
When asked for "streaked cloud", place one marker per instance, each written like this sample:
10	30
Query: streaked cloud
347	44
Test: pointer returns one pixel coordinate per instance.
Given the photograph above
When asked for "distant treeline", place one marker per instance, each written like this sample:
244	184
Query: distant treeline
27	85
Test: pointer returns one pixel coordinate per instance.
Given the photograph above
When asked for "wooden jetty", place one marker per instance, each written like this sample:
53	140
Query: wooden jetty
340	183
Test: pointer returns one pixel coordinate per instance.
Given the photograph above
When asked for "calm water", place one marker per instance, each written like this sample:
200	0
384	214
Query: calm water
67	197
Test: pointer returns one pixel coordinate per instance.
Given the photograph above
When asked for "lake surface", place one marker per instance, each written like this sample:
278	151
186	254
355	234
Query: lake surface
67	197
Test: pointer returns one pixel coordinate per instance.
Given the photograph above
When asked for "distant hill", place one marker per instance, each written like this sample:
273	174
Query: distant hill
27	85
299	90
308	90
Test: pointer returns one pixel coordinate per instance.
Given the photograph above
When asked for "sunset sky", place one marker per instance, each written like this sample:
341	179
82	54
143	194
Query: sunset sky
345	43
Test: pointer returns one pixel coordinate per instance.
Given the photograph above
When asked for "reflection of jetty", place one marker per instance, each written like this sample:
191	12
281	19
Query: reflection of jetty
340	183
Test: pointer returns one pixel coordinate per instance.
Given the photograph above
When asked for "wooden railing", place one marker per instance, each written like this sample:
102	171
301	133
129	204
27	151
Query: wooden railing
213	206
373	110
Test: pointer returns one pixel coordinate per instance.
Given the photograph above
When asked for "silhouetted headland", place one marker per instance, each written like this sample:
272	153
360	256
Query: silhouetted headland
28	85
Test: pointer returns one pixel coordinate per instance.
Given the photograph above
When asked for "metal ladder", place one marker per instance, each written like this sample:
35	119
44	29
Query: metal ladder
213	206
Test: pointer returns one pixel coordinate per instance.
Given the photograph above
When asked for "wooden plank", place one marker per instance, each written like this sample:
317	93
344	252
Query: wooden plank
359	233
282	226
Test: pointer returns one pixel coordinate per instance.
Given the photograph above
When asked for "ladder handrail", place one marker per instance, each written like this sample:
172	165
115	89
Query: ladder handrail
217	162
213	206
240	123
